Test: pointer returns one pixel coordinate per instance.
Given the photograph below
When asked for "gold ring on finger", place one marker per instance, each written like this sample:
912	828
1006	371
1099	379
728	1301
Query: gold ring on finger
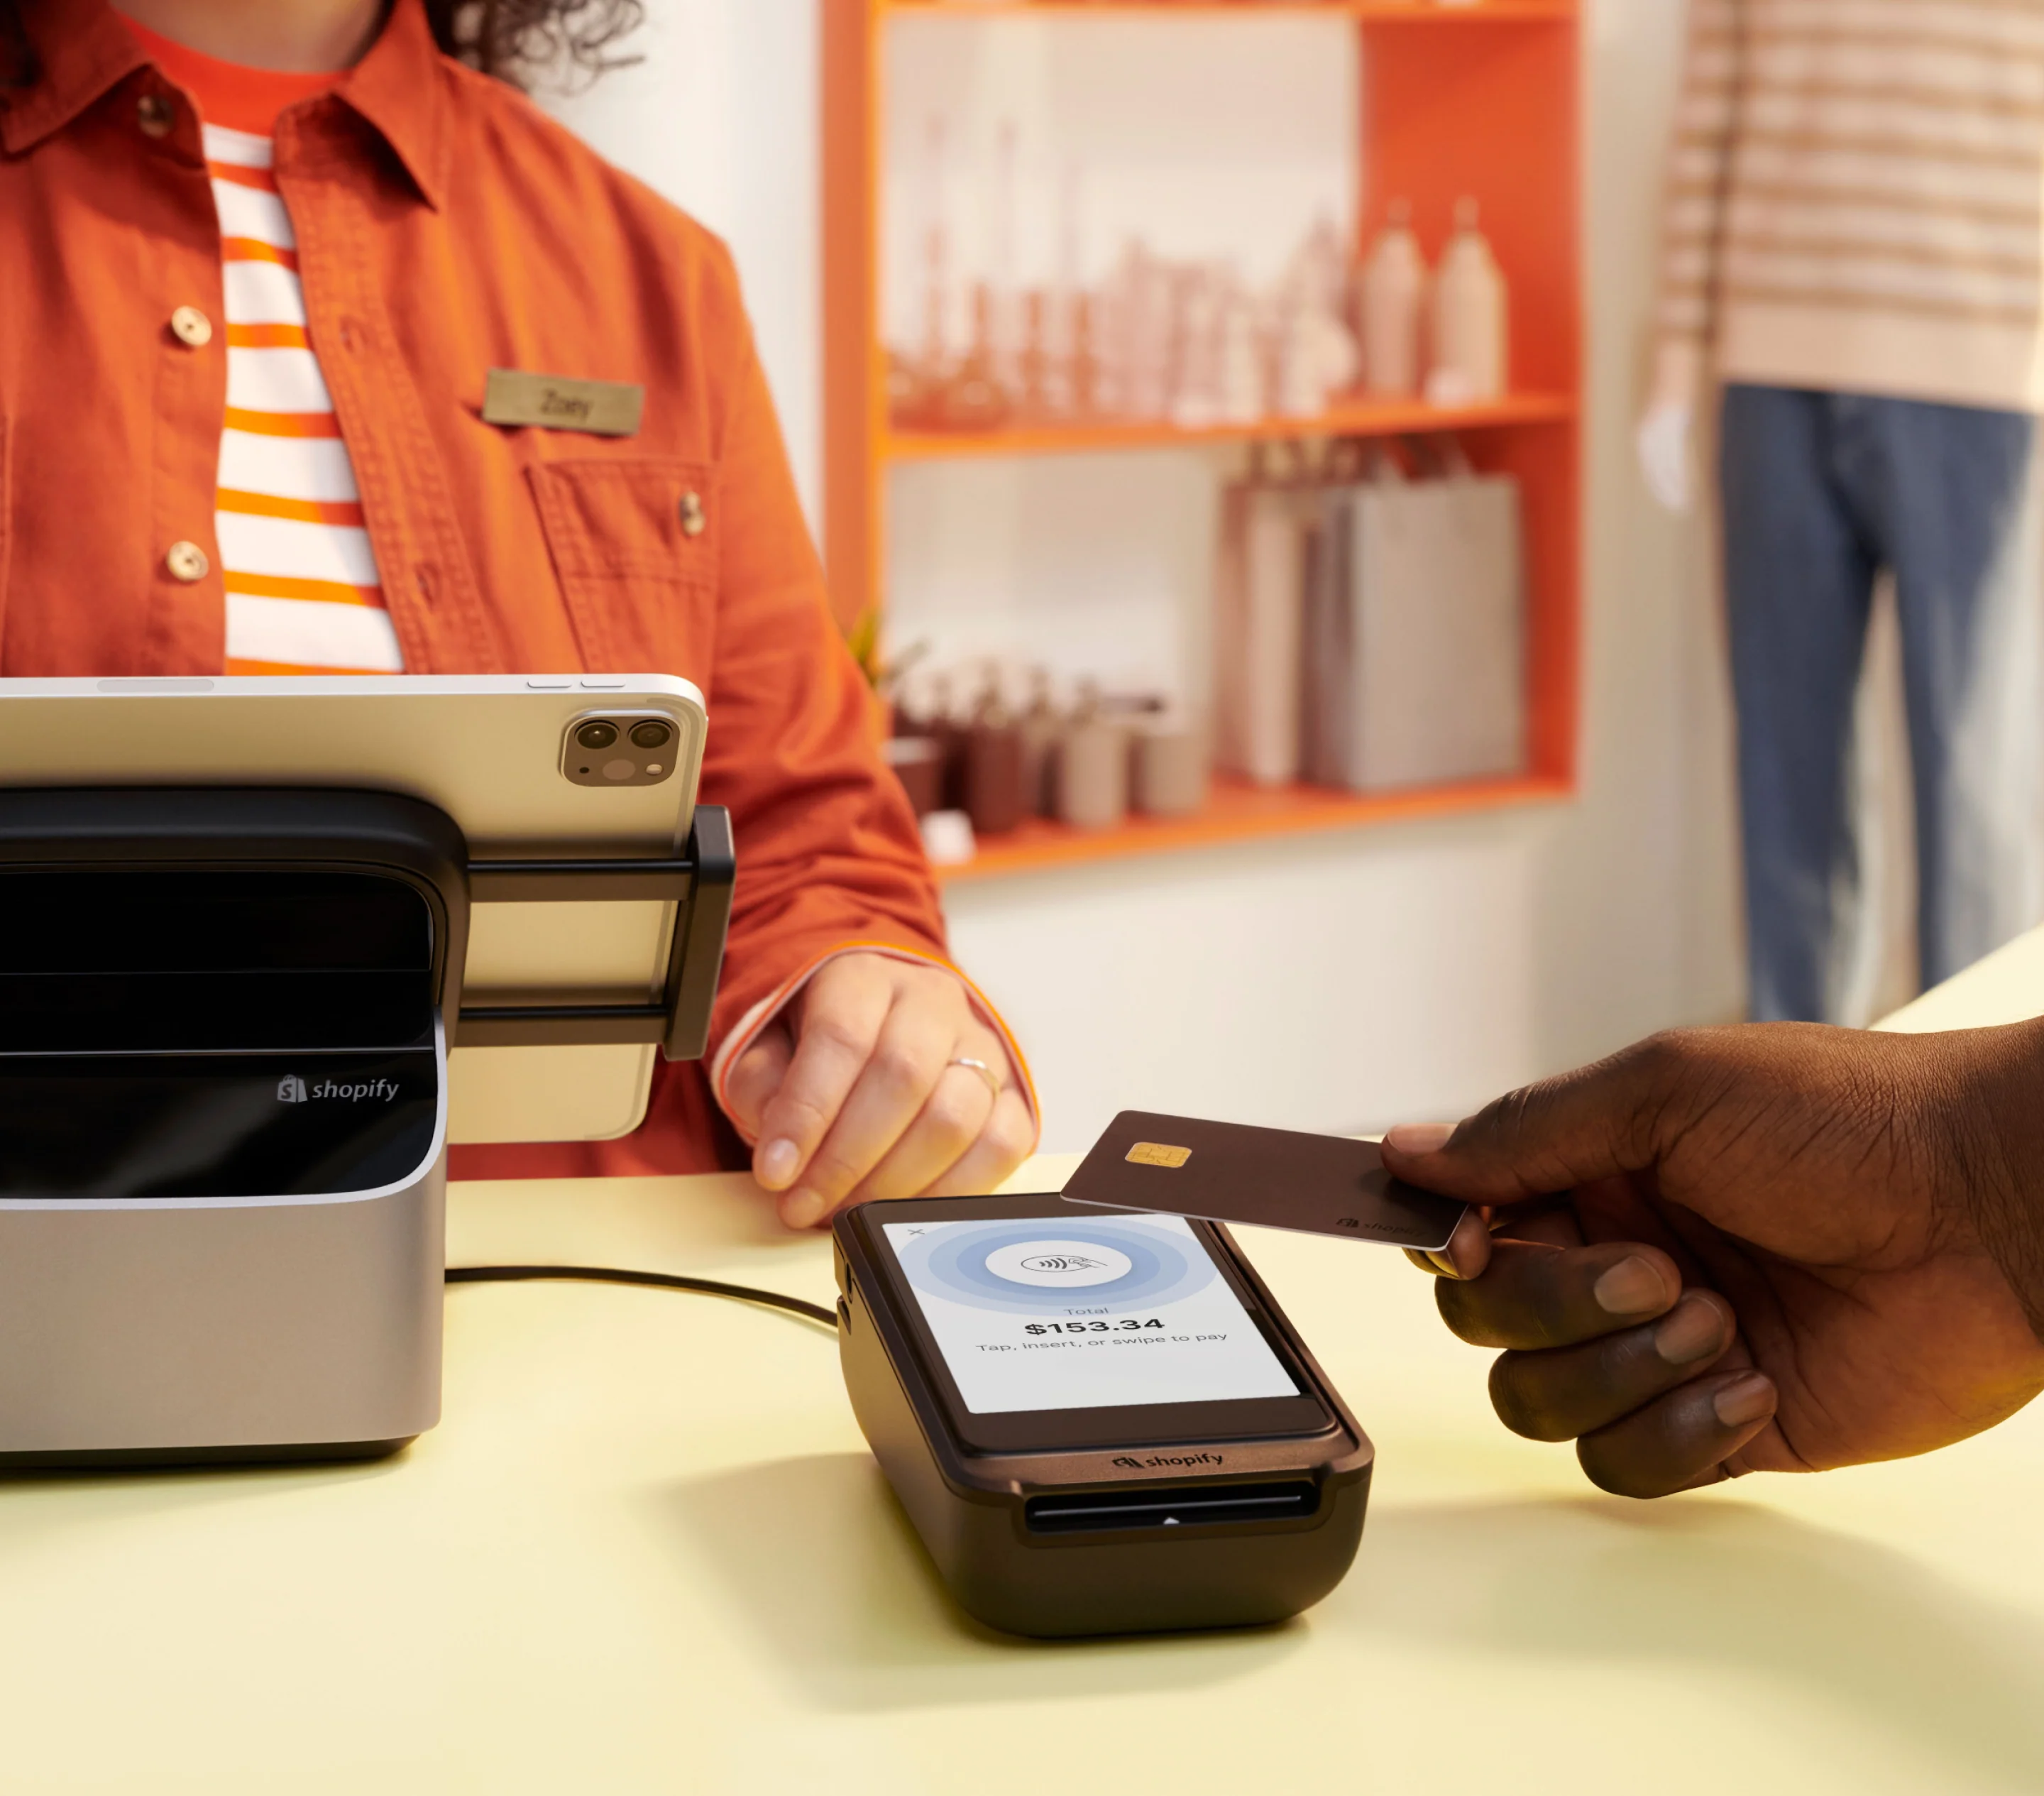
994	1080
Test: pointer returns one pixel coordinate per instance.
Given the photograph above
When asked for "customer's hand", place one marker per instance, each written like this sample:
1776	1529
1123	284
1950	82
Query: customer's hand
1771	1248
853	1092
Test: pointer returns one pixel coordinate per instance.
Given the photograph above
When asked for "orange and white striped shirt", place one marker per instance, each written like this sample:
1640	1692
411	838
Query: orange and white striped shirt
303	592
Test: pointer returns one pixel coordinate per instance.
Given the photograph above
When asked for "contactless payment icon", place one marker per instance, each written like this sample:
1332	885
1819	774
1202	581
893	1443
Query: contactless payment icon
1021	1268
1059	1265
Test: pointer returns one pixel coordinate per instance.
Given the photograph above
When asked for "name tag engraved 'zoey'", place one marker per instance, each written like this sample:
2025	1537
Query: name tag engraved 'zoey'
546	402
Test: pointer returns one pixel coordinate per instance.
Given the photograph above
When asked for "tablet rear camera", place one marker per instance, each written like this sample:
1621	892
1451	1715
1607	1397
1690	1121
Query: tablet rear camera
627	748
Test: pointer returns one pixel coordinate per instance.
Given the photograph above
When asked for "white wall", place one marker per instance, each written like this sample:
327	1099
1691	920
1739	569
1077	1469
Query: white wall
721	116
1338	982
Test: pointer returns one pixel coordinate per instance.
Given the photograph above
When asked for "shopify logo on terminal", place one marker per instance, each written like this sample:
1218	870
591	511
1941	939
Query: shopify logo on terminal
292	1089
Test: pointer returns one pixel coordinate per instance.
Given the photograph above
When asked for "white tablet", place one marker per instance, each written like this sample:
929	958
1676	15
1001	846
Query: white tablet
541	767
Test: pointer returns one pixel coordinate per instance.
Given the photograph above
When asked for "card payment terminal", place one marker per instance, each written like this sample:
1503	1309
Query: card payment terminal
1097	1425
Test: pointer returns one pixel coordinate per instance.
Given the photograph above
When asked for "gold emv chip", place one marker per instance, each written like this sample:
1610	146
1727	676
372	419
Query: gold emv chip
1156	1153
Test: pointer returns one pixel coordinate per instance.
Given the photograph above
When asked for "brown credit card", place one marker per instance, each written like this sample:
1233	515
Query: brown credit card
1272	1177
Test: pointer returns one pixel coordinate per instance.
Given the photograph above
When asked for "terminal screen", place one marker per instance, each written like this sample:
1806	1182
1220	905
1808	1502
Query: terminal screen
1051	1314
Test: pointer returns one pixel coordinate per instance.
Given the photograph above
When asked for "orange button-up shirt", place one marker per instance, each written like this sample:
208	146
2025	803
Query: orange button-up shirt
445	226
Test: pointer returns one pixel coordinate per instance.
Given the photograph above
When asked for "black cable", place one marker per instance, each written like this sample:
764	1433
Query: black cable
665	1281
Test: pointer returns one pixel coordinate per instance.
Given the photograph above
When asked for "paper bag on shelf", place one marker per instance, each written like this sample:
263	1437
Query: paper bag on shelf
1437	588
1257	631
1326	675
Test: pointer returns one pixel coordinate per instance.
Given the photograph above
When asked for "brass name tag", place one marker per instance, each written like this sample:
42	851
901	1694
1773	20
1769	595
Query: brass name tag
604	407
1156	1153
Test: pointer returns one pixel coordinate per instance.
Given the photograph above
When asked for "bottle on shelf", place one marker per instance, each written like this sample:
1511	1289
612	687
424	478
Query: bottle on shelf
1471	318
1136	357
916	377
973	397
1196	358
1085	378
938	722
1093	766
996	795
1168	765
1067	326
1004	326
918	763
1393	298
1242	374
917	747
1187	342
1297	391
1037	391
1259	626
1316	351
1040	728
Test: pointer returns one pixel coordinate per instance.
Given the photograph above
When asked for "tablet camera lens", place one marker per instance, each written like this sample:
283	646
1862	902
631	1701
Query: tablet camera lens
597	735
651	736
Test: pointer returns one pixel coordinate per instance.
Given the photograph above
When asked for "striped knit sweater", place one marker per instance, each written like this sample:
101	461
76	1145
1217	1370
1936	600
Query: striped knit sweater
1856	192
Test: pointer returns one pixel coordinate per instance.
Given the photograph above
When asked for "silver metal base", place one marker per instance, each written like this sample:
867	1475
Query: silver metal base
182	1334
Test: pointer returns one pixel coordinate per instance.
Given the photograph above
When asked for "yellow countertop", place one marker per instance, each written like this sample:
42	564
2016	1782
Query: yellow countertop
647	1550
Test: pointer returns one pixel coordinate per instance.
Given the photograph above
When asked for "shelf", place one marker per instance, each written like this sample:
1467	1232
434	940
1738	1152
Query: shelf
1491	111
1239	812
1358	418
1371	12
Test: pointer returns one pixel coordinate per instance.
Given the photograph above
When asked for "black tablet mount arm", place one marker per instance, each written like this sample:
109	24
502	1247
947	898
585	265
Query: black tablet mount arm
699	884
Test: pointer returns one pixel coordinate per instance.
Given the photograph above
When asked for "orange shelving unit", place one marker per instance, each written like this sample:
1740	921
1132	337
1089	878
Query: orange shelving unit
1479	98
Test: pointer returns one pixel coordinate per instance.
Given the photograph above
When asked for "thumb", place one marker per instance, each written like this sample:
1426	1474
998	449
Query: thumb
757	1074
1595	1123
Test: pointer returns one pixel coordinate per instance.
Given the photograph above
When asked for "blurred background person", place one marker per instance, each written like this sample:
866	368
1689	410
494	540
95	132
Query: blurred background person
1851	251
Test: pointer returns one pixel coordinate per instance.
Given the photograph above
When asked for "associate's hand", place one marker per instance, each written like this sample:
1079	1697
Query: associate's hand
852	1093
1778	1247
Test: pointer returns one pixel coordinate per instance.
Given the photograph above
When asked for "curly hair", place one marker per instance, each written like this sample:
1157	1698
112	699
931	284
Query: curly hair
513	39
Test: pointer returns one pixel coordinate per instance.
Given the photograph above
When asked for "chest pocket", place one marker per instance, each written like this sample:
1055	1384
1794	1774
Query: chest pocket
634	545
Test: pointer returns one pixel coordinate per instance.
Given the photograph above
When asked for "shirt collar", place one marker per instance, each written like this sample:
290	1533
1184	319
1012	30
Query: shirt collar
83	51
402	89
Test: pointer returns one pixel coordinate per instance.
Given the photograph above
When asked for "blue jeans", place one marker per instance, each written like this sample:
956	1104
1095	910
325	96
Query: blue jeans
1822	492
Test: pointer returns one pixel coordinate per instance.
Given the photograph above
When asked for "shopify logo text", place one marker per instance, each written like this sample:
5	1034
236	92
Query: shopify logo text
292	1089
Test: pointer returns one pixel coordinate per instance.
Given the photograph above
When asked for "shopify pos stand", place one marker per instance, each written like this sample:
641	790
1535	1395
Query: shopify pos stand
224	1019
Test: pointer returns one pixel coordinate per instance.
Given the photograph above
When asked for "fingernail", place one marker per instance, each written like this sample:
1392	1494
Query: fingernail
1632	1287
1744	1400
802	1209
1419	1137
777	1163
1695	1331
1443	1265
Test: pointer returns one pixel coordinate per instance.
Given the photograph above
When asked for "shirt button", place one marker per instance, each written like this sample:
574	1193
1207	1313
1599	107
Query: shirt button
186	562
155	115
191	327
694	521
